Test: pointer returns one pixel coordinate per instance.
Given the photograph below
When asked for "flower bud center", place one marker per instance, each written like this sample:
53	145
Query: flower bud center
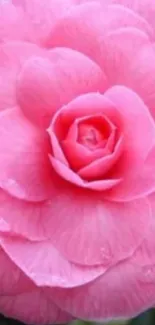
90	136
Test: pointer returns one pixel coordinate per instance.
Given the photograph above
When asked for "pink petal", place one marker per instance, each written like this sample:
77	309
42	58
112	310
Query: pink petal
46	85
122	67
122	292
33	307
42	16
66	173
56	148
141	77
100	167
24	164
11	18
76	154
79	156
80	30
105	232
17	282
12	56
139	184
118	16
114	52
145	8
138	141
26	219
45	266
86	105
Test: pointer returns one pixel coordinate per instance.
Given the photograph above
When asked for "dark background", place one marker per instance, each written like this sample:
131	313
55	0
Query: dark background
147	318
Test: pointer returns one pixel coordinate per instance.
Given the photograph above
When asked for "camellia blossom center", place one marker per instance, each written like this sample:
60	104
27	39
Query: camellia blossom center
93	132
90	136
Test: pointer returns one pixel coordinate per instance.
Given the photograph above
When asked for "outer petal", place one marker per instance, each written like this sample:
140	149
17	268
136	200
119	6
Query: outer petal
24	164
145	8
118	16
12	279
12	57
33	307
122	292
11	18
46	85
105	232
137	185
45	266
42	16
79	28
114	52
137	141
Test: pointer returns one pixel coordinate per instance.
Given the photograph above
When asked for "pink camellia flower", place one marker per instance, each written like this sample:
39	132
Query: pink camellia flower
77	159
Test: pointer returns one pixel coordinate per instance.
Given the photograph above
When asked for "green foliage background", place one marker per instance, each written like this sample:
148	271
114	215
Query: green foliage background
147	318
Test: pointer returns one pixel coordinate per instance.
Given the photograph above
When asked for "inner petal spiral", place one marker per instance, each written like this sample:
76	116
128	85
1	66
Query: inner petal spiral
93	132
89	136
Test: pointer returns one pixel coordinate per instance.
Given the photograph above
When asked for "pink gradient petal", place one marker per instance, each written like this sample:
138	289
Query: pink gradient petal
114	52
118	16
33	307
79	156
45	266
17	282
139	184
106	232
56	148
11	17
122	67
70	176
80	30
24	164
12	56
86	105
72	133
137	144
128	291
145	8
141	77
47	84
100	167
26	219
43	16
129	287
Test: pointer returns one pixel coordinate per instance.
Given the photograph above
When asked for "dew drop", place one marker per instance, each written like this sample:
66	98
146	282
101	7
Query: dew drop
105	255
14	188
148	274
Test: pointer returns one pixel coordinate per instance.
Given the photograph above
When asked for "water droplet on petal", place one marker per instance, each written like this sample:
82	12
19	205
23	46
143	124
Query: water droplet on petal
14	188
106	256
148	274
